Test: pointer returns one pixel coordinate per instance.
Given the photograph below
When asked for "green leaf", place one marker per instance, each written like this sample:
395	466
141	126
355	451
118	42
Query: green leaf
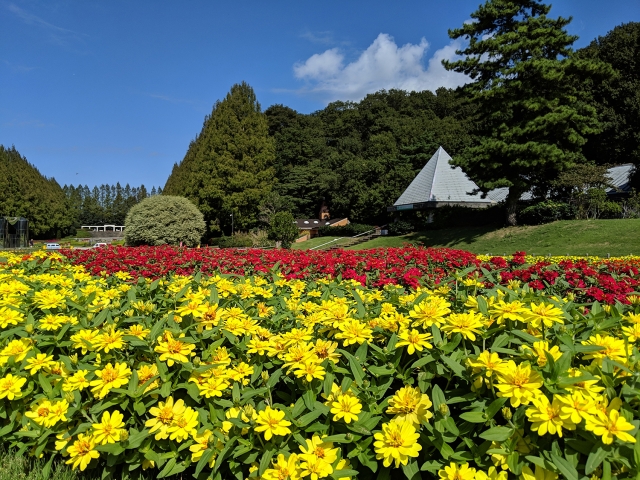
204	459
437	397
344	473
411	470
273	378
496	434
265	461
566	469
596	457
135	439
495	407
44	383
474	417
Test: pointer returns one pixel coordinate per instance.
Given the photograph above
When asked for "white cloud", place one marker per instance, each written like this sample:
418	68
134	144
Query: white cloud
383	65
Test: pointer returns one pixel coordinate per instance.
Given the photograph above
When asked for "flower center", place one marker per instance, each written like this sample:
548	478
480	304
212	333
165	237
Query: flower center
174	346
166	416
83	447
395	440
109	375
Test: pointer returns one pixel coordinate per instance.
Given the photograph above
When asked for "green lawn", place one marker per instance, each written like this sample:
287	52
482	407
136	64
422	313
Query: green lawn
572	237
314	242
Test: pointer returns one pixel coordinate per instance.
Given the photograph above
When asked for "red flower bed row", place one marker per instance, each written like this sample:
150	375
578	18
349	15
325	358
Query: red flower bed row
606	281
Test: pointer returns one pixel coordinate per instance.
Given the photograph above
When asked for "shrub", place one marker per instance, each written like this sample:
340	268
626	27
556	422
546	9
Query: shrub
283	229
400	227
545	212
239	240
344	230
161	220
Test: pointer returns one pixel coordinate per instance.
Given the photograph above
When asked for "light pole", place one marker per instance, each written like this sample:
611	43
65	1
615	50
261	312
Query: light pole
232	224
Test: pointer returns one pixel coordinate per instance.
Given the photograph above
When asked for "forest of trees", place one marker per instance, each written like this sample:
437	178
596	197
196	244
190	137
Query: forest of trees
54	211
106	204
358	157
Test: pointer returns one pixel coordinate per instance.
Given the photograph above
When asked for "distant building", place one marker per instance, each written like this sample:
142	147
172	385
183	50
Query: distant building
439	183
309	227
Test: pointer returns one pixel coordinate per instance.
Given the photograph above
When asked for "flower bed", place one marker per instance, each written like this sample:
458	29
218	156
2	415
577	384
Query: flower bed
254	376
590	279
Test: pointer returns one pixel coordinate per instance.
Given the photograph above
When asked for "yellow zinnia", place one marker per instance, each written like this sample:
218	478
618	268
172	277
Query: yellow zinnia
271	421
396	443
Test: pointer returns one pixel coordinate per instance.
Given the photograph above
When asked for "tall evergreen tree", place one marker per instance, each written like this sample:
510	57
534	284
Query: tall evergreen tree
25	192
228	168
532	115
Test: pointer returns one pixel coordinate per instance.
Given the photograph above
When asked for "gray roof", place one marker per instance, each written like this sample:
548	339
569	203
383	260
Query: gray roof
620	178
439	181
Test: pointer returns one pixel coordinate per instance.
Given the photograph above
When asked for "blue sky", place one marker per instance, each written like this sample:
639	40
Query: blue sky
96	92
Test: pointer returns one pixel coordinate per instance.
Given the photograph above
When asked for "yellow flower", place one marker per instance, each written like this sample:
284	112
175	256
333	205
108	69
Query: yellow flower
346	406
502	311
138	331
316	448
212	386
429	312
109	429
146	373
632	332
164	414
310	369
85	340
16	349
576	406
468	324
519	383
57	412
40	412
410	405
354	331
11	386
546	416
195	308
492	474
203	442
397	443
540	349
108	378
610	426
414	340
283	469
41	360
171	349
315	468
546	314
612	348
9	316
490	362
271	421
82	452
326	349
183	425
457	472
541	474
111	339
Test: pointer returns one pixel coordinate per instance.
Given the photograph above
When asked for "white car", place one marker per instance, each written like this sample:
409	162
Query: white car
52	246
99	245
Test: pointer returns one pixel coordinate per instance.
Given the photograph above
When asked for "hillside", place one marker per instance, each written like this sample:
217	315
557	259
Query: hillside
567	237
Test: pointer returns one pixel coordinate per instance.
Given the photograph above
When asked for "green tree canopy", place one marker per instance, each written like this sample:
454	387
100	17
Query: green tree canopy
229	167
25	192
532	114
283	229
616	98
164	219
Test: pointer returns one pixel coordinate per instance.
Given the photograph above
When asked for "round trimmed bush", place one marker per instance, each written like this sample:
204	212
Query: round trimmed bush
164	219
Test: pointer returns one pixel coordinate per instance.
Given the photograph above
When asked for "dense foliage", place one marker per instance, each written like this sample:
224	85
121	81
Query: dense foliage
259	376
532	115
25	192
106	204
283	229
164	220
228	168
617	99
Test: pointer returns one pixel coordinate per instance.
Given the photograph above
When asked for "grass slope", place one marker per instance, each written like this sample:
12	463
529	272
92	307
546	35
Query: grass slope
568	237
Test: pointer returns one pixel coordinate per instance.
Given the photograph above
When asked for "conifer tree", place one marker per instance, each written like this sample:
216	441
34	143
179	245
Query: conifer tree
532	115
228	168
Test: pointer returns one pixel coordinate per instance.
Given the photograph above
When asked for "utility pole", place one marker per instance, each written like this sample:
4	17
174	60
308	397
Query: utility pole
232	224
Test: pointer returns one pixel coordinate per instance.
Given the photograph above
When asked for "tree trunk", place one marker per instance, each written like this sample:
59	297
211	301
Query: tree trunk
512	205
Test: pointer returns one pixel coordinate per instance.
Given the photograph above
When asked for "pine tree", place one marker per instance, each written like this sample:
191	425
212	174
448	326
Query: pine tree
532	115
228	168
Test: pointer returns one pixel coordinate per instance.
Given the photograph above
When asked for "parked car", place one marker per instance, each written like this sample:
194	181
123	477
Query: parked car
99	245
52	246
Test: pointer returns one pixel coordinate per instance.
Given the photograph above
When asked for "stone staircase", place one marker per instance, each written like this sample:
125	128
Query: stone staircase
351	242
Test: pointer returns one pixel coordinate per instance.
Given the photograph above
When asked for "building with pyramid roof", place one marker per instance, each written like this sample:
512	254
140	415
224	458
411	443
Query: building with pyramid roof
439	183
